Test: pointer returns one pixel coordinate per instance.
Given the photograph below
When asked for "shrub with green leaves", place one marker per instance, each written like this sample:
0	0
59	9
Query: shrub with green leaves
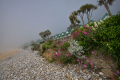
65	45
49	42
53	45
108	36
36	47
43	48
76	49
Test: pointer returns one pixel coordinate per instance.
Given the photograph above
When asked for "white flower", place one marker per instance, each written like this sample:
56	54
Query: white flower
95	24
94	29
99	23
87	25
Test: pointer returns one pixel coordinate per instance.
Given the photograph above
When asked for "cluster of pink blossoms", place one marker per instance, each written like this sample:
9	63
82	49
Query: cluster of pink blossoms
85	33
74	34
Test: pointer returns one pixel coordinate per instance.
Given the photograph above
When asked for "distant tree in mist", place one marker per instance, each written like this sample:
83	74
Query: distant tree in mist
25	45
45	34
32	42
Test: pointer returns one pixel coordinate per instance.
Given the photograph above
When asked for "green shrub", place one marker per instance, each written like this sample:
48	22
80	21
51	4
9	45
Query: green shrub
43	48
70	59
113	21
65	45
108	36
36	47
49	42
87	41
53	45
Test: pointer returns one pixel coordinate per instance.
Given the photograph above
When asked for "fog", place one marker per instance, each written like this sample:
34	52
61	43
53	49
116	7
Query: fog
22	20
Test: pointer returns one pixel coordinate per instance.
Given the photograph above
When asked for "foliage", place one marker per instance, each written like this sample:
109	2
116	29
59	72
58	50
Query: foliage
45	34
36	47
108	36
68	59
43	48
65	45
87	8
84	37
49	42
53	45
112	21
76	50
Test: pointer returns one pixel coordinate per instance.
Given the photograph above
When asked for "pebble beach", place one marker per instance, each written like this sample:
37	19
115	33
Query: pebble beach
28	65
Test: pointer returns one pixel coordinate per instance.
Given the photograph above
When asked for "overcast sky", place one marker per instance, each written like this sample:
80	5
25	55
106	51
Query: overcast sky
22	20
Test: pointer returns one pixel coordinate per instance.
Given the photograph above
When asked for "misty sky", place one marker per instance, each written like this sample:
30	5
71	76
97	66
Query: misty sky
22	20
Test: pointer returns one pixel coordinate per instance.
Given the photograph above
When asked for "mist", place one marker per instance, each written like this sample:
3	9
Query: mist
22	20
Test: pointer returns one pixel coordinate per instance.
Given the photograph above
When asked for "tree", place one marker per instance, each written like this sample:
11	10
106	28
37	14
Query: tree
105	3
73	18
45	34
32	42
48	33
42	34
87	8
81	15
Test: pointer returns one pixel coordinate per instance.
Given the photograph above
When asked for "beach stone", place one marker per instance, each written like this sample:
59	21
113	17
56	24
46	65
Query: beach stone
100	73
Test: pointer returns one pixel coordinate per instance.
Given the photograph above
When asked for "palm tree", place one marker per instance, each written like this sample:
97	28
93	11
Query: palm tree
87	8
81	15
105	3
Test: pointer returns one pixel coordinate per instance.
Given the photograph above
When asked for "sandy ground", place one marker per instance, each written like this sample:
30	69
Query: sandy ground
4	55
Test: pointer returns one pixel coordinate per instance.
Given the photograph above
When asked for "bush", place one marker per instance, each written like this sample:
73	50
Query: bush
65	45
84	38
36	47
53	45
65	57
43	48
108	36
49	42
76	50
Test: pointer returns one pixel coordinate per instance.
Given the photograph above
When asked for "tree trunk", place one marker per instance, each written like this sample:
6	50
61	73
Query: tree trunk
82	20
106	6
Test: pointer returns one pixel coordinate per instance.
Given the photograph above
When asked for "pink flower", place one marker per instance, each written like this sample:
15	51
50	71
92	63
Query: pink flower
84	29
98	66
50	55
92	52
84	26
91	64
88	61
78	60
85	66
58	49
86	57
117	72
90	27
90	35
81	62
66	55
